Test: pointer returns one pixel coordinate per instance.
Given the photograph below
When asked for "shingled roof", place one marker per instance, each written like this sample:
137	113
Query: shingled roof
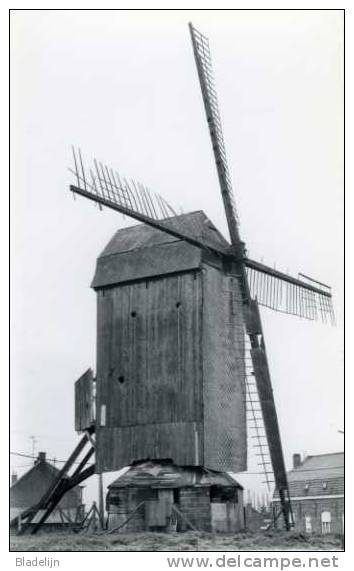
141	251
323	466
319	475
143	235
168	475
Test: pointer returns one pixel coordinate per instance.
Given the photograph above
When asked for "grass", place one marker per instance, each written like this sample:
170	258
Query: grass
190	541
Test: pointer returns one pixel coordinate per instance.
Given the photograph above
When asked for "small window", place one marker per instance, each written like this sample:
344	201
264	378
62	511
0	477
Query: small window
324	485
103	415
223	494
176	495
326	522
306	487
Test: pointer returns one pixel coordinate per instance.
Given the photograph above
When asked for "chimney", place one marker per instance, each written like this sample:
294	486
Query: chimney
41	457
296	460
13	478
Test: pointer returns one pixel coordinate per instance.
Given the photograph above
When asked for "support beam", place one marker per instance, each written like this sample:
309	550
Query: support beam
68	485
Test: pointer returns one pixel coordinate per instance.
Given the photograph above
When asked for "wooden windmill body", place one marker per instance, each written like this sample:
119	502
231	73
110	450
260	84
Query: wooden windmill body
170	353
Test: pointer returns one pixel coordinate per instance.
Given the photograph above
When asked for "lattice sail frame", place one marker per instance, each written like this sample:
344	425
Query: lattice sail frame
273	289
205	73
131	198
291	297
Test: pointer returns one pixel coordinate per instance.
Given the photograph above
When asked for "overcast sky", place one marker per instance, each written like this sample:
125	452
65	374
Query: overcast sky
123	86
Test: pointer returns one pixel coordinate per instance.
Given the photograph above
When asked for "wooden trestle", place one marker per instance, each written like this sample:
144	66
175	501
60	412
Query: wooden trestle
61	485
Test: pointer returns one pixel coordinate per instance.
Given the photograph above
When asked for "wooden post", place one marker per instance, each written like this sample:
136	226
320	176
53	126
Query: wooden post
100	500
94	517
128	518
175	508
55	485
19	524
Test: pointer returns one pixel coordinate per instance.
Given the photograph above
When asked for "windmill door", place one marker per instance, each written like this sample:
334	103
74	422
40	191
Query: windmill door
158	512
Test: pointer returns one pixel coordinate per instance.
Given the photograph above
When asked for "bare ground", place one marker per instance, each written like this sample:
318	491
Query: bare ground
190	541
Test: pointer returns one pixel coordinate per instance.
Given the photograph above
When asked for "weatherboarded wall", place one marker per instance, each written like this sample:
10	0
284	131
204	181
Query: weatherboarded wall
84	410
149	367
170	366
170	353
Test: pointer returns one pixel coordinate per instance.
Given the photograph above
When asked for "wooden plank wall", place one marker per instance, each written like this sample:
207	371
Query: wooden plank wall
171	371
84	401
120	446
149	366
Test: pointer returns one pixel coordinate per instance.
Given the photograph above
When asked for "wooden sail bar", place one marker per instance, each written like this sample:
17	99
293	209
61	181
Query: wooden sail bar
273	289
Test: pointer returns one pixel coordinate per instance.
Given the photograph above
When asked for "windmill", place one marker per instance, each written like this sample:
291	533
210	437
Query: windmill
241	284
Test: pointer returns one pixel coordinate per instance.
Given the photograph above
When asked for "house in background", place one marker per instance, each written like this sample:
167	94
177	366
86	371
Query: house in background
26	491
316	486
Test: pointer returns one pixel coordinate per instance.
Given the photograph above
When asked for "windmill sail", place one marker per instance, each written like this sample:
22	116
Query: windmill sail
301	296
281	292
251	312
271	288
204	68
107	188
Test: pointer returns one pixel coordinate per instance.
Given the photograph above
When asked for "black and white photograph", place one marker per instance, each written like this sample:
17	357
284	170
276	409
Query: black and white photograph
176	284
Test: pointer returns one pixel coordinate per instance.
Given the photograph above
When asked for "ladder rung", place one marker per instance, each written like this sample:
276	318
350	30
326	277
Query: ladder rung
260	446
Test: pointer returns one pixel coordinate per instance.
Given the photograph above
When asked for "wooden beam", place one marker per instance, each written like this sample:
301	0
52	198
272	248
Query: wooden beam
159	224
126	521
285	277
175	508
68	485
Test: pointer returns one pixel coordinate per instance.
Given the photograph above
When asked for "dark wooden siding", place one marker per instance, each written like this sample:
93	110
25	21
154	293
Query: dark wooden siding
84	401
195	506
171	372
118	447
149	370
145	263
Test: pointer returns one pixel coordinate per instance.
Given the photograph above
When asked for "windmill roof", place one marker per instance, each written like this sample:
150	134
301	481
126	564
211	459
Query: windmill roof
142	251
143	235
168	475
